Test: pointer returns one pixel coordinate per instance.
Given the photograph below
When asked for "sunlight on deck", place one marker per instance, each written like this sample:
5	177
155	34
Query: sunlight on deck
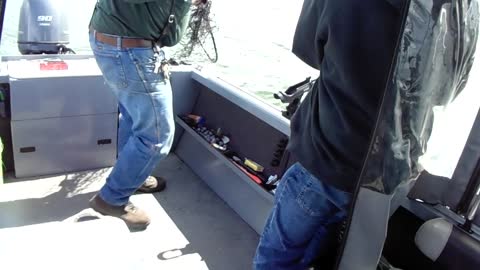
191	227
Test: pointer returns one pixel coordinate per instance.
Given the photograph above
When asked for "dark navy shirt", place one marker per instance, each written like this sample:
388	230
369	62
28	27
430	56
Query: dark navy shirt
352	43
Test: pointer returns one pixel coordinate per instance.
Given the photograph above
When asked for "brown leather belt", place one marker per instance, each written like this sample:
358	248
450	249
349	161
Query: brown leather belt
124	42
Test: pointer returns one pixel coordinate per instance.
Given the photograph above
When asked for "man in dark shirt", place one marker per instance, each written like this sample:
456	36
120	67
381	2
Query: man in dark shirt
352	43
126	37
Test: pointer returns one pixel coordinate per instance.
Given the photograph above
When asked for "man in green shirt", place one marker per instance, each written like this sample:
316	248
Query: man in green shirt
126	37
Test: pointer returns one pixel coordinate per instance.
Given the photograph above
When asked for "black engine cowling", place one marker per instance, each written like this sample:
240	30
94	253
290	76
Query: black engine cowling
43	27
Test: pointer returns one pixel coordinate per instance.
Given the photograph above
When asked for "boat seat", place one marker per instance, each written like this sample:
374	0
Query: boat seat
86	240
447	245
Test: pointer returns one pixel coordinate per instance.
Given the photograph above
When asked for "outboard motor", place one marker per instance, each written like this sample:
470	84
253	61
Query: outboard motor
43	27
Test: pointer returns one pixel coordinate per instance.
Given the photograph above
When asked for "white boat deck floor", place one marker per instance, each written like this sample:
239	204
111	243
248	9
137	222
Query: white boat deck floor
192	228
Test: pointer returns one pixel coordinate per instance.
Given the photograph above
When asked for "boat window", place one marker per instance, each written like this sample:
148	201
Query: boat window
74	15
452	126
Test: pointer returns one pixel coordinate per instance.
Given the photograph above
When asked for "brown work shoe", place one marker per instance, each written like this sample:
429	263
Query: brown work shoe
136	219
152	185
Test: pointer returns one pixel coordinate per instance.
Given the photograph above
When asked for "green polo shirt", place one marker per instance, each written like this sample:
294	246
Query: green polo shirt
142	19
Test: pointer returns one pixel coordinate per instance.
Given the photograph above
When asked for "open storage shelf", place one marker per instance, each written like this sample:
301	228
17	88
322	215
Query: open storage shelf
256	132
221	158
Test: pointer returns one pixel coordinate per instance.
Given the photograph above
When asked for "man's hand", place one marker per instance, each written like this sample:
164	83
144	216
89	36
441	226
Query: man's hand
198	2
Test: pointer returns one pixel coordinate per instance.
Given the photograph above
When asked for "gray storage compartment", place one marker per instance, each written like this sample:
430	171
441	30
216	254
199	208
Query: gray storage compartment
38	98
62	120
59	145
246	198
251	137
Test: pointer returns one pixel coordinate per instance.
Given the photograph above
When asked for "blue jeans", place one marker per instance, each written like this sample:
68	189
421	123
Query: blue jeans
146	125
303	223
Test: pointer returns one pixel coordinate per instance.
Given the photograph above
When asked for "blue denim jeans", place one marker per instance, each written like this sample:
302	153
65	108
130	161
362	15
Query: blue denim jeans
303	223
146	125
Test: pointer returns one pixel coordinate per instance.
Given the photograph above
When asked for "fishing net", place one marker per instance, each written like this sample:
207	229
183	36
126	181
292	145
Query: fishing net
198	43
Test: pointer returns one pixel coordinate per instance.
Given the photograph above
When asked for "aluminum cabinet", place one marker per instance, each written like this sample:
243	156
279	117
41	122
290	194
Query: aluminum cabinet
255	129
62	120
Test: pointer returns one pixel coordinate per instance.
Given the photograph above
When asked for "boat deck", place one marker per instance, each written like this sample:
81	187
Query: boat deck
192	228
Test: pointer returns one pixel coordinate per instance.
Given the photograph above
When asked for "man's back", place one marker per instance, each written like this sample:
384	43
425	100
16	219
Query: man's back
124	37
352	43
138	18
